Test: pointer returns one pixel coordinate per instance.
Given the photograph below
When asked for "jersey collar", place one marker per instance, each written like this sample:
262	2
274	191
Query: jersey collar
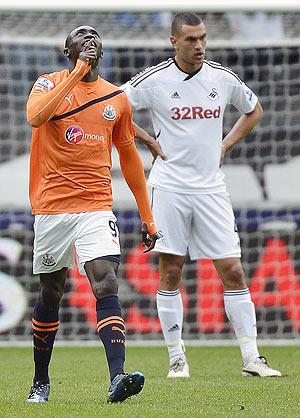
189	76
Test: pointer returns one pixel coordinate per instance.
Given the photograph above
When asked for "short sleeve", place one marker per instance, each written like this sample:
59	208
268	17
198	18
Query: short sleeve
140	94
242	97
124	132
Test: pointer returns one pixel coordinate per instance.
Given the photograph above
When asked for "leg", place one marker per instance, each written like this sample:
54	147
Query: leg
110	324
173	215
170	311
240	311
102	273
238	305
45	324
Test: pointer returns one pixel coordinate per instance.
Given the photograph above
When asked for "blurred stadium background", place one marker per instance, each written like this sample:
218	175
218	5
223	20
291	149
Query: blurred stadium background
260	40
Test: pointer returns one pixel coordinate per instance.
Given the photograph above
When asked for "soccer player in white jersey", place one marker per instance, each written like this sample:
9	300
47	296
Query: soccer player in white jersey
187	96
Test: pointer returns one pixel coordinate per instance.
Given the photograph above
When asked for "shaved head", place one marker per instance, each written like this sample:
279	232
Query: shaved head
69	38
85	41
186	18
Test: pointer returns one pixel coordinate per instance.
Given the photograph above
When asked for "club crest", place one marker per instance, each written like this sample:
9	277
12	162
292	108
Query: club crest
109	112
48	260
213	95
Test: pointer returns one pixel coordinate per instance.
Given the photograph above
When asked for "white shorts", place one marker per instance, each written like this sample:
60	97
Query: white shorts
92	234
201	224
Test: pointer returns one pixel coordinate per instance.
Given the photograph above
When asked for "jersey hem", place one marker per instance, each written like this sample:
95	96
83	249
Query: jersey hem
165	250
236	254
210	190
57	212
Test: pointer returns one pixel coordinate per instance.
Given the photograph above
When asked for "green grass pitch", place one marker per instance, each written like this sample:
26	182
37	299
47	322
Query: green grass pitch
79	382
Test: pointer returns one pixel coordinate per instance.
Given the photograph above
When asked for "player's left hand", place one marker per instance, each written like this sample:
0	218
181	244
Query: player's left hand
89	53
148	240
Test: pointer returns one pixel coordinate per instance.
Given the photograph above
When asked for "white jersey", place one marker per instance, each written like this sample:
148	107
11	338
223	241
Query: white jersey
187	116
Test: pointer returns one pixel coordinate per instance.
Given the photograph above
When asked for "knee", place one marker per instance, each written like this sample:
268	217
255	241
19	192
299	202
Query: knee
234	276
105	285
172	276
51	295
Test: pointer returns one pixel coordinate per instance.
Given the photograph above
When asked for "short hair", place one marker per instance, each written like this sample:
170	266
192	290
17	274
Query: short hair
185	18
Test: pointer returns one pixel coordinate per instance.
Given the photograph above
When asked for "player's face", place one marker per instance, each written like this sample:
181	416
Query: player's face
79	37
190	45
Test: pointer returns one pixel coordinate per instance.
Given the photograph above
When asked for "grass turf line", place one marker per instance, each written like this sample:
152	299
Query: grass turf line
79	383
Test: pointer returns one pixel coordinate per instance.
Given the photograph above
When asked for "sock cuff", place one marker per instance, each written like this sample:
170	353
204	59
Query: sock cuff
44	326
237	293
237	296
168	293
108	302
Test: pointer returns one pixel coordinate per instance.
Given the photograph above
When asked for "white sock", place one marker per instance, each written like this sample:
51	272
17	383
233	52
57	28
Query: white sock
170	313
241	313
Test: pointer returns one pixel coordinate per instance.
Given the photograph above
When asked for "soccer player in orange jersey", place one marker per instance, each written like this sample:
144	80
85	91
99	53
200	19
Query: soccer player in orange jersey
76	118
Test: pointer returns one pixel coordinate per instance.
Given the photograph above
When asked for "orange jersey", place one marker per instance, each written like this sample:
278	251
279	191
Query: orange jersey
70	157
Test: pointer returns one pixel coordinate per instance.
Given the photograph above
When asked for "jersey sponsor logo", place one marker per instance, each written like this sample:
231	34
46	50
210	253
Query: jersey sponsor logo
43	84
195	112
175	95
109	112
213	95
75	134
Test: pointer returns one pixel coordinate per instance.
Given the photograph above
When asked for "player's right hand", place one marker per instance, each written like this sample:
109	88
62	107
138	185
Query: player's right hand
148	240
89	52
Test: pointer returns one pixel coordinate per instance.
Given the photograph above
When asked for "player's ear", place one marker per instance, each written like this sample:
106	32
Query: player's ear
173	41
101	54
67	52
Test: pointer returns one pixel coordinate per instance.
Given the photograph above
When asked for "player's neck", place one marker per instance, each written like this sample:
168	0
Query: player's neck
187	67
91	76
